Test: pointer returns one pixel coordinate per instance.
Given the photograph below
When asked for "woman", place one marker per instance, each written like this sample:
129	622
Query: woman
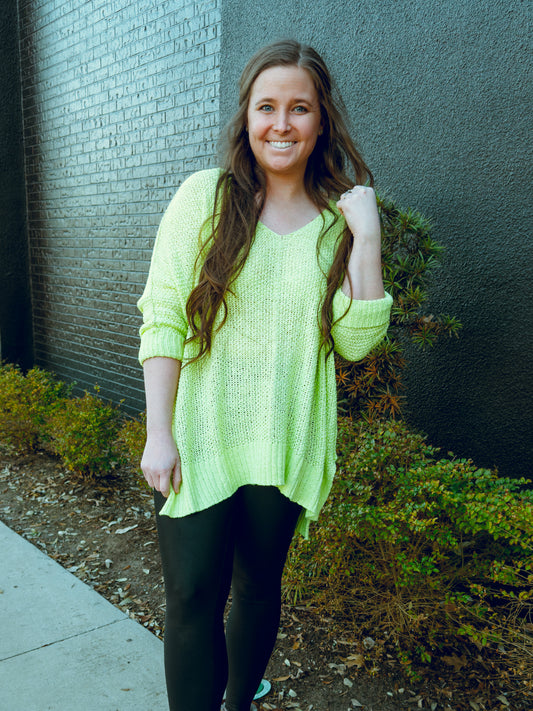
257	274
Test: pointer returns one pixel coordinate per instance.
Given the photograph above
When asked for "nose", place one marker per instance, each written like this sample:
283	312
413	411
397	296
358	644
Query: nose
281	123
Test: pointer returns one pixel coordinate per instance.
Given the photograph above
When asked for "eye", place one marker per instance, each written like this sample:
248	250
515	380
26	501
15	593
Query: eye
267	108
300	109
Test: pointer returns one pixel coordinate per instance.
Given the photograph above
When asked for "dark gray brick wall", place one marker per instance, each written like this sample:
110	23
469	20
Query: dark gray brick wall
120	104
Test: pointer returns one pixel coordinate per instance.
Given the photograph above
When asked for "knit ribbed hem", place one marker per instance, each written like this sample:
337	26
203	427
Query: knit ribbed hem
205	484
161	342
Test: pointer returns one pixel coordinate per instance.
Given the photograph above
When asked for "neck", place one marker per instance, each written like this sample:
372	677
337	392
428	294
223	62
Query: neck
287	206
283	189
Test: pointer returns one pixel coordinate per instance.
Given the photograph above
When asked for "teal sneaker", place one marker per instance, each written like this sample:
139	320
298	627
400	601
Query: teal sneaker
264	688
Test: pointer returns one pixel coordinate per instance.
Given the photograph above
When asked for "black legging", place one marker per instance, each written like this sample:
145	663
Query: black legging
242	541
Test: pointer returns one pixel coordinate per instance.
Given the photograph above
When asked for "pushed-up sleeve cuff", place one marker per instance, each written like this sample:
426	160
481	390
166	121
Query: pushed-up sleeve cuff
162	342
362	325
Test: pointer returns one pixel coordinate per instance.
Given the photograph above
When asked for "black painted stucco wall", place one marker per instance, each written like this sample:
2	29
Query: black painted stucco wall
439	95
15	306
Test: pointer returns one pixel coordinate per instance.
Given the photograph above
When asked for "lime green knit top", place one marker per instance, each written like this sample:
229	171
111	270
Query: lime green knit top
261	408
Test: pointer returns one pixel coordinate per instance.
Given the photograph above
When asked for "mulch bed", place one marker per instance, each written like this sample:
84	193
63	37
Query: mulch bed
103	531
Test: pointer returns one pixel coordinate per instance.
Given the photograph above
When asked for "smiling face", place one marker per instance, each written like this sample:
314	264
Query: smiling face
283	120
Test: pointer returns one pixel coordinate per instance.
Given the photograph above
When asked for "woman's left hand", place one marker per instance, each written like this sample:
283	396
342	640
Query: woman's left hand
360	211
364	279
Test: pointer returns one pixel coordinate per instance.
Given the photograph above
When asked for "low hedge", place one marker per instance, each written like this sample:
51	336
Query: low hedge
421	551
90	436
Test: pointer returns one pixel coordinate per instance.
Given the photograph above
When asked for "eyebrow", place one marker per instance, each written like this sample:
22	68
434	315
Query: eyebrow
268	100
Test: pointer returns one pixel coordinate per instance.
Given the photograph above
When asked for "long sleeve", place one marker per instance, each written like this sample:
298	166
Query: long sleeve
172	274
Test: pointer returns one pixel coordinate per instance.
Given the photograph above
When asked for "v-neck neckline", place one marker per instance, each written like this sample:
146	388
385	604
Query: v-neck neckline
303	227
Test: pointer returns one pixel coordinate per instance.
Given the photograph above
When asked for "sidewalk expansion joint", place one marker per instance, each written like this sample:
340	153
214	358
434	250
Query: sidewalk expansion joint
64	639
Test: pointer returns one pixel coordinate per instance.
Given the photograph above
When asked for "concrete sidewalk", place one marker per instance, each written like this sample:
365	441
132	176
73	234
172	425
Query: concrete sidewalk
63	647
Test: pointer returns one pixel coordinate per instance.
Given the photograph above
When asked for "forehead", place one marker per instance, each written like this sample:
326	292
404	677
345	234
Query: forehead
284	82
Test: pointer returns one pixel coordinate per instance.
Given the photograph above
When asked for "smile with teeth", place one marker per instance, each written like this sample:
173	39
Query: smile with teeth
281	144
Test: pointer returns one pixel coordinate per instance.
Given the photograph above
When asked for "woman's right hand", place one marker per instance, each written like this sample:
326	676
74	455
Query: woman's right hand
161	463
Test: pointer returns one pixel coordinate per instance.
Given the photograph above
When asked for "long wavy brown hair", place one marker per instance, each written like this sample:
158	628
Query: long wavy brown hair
240	194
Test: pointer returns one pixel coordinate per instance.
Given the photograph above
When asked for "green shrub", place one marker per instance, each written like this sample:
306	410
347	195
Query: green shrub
84	432
372	387
26	404
130	442
421	550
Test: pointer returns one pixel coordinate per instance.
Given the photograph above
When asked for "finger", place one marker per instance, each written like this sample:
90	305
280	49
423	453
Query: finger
164	485
148	477
176	478
353	192
157	480
358	190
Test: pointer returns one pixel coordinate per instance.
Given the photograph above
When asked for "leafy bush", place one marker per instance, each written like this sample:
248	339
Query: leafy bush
26	404
372	387
84	432
420	550
89	435
130	442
